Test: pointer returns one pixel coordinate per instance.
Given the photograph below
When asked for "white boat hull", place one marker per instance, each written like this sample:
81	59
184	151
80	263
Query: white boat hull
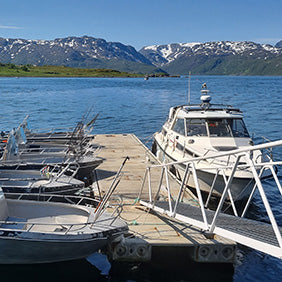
240	187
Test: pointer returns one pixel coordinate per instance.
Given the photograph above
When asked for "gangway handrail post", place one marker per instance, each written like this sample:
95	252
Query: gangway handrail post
159	188
251	195
168	189
212	187
181	188
149	184
230	195
265	201
224	194
143	183
200	199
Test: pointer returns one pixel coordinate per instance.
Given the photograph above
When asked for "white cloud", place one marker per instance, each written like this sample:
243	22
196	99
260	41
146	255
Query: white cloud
9	27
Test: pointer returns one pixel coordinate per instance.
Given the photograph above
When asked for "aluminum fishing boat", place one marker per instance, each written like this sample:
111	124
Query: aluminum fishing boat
38	181
25	146
82	162
42	231
207	129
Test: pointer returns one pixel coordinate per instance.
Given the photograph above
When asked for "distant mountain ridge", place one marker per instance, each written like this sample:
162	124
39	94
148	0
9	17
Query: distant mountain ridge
74	52
220	57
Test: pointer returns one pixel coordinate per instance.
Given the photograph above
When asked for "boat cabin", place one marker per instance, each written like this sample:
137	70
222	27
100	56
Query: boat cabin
206	124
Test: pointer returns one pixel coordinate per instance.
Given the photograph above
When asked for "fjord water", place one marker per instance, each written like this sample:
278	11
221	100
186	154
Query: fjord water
133	105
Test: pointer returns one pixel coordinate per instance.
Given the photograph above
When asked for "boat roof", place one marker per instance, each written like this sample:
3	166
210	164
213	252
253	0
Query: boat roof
207	110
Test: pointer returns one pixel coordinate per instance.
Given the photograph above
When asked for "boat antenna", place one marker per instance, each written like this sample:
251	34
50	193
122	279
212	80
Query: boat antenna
189	87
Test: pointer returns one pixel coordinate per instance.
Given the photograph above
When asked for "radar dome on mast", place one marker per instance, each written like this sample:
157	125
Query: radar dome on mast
205	98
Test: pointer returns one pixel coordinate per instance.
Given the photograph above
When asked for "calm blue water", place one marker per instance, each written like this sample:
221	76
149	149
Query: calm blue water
140	107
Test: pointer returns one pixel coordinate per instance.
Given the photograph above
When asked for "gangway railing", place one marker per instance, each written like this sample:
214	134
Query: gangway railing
265	237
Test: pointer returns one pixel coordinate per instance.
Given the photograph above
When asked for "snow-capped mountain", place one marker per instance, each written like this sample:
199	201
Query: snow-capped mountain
220	57
161	55
72	51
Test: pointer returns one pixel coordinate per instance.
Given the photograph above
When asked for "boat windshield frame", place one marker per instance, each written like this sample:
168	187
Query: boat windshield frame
211	127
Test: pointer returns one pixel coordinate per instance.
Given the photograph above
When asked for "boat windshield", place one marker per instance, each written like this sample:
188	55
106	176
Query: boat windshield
196	127
179	126
217	127
227	128
238	128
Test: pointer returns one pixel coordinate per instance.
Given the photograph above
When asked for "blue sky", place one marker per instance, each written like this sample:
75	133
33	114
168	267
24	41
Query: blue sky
144	22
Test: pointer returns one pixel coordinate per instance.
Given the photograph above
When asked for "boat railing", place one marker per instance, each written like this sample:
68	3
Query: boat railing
42	151
58	170
71	147
41	197
52	130
24	124
12	150
83	125
152	190
72	133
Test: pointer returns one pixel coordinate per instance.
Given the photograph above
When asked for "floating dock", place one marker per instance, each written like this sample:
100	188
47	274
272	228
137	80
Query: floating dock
152	235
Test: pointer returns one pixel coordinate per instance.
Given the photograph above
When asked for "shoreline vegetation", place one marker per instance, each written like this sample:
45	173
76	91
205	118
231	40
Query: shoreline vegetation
12	70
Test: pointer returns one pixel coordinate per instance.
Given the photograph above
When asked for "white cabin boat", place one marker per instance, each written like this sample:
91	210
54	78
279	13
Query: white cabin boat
36	231
204	130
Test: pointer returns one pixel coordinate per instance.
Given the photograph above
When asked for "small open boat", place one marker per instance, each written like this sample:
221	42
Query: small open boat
42	231
36	181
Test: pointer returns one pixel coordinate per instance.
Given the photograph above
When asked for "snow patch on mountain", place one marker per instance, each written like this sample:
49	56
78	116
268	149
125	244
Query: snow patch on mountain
170	51
161	55
78	48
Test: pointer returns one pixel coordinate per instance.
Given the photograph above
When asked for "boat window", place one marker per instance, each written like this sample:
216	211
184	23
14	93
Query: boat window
219	128
238	128
196	127
179	126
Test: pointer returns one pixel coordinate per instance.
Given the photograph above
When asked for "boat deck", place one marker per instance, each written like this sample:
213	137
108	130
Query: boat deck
157	230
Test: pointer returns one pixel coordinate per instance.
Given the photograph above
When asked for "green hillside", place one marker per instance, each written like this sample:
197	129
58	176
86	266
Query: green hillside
59	71
226	65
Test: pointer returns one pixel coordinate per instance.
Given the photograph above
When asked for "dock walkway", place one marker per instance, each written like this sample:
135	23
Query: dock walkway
157	230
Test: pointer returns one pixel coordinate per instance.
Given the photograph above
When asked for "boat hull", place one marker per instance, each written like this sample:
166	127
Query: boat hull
240	187
31	252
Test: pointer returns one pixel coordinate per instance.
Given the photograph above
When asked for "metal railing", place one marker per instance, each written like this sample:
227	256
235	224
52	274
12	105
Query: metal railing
227	173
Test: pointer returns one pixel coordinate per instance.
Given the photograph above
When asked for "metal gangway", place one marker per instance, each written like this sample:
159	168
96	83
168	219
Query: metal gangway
264	237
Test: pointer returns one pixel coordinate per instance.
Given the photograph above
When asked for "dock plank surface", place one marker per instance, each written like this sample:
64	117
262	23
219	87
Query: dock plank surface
158	230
